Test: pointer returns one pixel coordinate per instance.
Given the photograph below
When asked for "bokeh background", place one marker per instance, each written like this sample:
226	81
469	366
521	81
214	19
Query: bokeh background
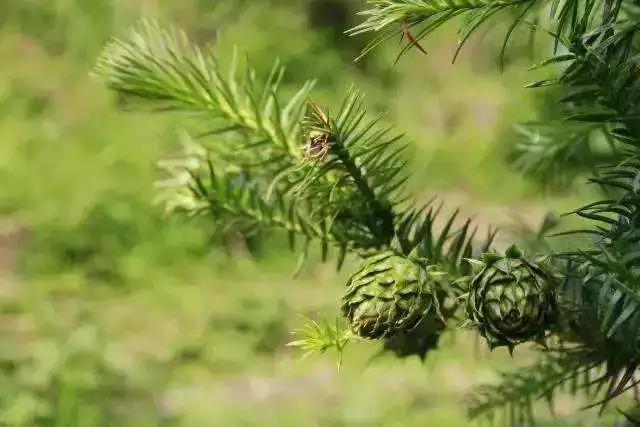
113	315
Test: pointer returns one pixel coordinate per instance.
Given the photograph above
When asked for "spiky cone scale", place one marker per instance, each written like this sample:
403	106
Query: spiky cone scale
511	300
389	294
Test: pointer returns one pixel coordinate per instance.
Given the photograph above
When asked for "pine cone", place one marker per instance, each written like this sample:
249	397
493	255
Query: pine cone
389	294
511	300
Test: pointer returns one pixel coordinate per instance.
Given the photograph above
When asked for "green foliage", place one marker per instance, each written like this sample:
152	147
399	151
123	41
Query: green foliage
557	153
333	177
260	159
517	392
597	70
416	19
161	68
77	176
266	177
267	169
601	96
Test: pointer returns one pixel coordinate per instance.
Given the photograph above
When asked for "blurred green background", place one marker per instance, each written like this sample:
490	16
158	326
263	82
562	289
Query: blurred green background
112	315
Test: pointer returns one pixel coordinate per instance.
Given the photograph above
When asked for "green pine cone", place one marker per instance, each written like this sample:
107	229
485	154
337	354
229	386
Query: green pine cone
511	300
389	294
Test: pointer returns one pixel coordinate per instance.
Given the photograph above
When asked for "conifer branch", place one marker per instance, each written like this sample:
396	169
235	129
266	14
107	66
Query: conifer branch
259	136
385	13
335	176
389	18
513	397
368	165
238	201
554	153
600	79
161	70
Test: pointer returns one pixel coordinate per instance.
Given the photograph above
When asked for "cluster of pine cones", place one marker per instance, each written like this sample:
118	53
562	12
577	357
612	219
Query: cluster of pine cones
405	301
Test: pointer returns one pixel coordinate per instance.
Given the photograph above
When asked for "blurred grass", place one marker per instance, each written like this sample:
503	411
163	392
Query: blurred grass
112	315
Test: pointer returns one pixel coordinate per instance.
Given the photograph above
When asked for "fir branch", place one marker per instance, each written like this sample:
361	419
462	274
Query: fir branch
235	201
238	201
567	18
388	13
599	80
555	153
390	18
362	166
343	186
339	178
611	270
259	137
513	396
161	70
